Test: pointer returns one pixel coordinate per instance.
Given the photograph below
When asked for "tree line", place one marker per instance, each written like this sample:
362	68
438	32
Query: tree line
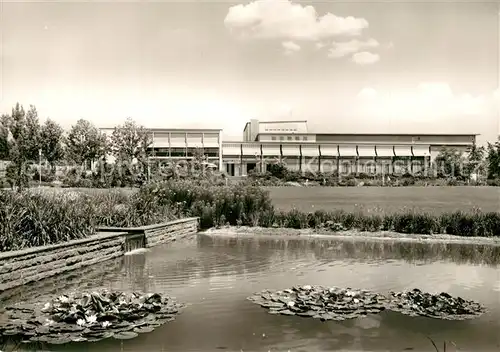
24	141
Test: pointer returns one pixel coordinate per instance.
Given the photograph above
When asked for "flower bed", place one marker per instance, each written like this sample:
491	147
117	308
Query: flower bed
90	317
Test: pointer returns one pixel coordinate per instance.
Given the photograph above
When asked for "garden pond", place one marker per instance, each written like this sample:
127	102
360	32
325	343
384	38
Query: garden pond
215	275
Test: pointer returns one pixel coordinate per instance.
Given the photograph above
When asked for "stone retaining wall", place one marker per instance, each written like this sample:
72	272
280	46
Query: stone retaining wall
160	233
18	268
21	267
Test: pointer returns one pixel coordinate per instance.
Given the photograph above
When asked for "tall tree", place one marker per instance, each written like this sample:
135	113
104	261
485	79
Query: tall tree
33	134
85	142
130	142
19	147
449	163
493	160
474	161
52	142
4	137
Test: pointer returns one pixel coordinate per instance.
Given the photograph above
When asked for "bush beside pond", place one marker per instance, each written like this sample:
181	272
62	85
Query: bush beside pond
35	218
408	222
38	218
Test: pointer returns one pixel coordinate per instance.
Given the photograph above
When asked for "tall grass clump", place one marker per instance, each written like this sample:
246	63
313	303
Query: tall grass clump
33	219
119	209
215	205
408	222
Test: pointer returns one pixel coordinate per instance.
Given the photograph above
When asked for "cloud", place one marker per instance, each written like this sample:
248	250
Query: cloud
496	94
320	45
365	58
367	93
282	19
427	101
290	47
341	49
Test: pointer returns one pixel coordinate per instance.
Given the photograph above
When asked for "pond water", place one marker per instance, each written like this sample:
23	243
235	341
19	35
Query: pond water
215	275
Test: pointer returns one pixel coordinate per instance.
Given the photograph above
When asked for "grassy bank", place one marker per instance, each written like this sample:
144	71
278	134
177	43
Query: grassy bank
473	224
39	217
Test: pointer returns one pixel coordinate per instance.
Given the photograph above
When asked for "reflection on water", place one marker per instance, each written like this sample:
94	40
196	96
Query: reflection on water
214	275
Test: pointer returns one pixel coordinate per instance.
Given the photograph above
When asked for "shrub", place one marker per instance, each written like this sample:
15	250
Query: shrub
37	218
411	222
47	175
34	219
214	204
296	220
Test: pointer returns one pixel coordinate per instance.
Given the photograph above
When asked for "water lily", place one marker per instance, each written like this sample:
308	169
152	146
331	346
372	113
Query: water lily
48	322
291	303
80	322
307	287
63	299
105	324
46	306
91	319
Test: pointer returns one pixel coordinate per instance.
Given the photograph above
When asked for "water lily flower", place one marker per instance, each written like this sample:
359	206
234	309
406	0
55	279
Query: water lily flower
105	324
48	322
291	303
80	322
63	299
92	319
307	287
46	306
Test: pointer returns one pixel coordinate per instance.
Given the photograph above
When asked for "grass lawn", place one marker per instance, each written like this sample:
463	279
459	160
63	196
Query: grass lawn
387	199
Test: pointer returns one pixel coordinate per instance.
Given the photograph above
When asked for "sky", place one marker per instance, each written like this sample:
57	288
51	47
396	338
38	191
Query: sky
346	67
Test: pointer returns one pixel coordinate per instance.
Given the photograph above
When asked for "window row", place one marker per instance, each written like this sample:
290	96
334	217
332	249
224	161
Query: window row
281	130
288	138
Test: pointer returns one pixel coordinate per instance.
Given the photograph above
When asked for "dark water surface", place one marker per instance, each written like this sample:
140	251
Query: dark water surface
215	275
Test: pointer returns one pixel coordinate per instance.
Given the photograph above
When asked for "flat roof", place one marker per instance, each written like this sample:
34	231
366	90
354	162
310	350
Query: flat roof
283	121
274	121
172	129
374	134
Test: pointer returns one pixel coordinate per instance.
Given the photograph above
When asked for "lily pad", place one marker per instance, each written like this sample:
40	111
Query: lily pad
325	303
144	329
126	335
438	306
60	340
89	316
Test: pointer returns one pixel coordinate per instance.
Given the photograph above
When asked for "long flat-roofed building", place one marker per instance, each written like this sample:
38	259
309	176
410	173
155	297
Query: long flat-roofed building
180	144
265	142
291	142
